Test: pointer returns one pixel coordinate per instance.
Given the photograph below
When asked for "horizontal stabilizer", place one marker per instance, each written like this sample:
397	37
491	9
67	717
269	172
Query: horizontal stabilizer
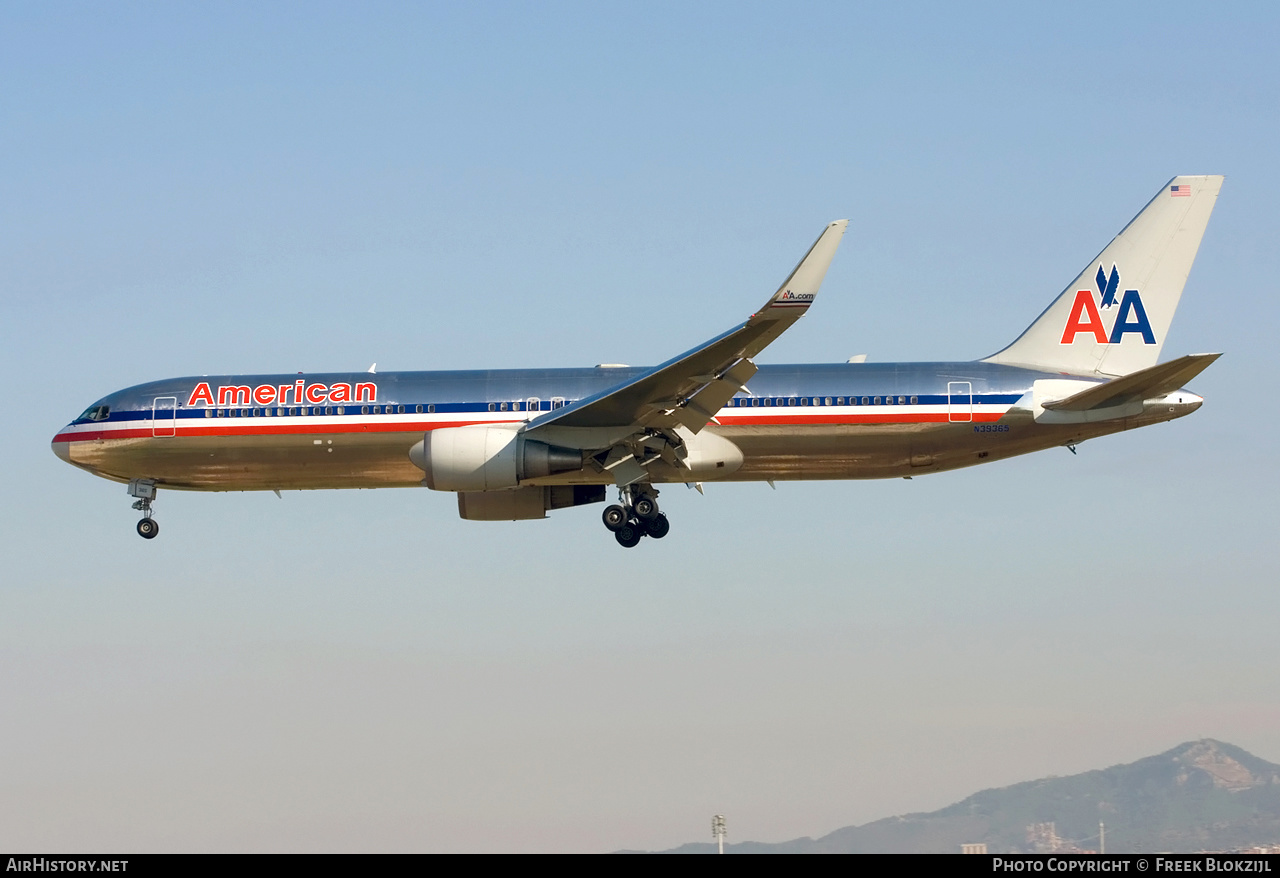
1146	383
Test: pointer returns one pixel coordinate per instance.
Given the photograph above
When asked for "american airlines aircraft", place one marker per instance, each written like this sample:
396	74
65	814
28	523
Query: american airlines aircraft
514	444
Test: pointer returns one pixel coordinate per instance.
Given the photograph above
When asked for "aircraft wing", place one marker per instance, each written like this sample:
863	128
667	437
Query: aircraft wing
689	389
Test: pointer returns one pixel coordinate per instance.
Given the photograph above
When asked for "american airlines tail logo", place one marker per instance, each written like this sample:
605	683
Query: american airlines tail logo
1087	318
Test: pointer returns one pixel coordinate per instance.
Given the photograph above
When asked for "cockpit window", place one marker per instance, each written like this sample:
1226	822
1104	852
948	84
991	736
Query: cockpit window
96	413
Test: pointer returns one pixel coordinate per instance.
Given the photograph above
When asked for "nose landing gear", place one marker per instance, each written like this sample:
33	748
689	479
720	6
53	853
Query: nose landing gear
636	516
145	491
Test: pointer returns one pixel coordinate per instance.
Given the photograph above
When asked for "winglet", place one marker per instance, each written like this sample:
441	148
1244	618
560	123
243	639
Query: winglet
801	287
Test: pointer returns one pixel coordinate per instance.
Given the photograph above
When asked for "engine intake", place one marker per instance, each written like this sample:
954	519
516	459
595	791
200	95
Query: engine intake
487	457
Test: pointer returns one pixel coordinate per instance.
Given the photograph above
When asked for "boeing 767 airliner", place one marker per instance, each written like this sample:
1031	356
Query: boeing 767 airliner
514	444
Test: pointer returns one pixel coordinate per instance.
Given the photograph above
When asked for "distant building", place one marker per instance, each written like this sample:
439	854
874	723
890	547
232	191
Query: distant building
1043	838
979	848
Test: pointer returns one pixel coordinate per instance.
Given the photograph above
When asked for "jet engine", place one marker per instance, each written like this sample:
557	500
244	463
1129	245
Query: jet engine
487	457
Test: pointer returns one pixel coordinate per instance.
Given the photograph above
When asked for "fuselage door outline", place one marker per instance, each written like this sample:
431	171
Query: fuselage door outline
959	401
164	416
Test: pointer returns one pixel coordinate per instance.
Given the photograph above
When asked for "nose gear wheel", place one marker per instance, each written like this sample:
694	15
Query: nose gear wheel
145	491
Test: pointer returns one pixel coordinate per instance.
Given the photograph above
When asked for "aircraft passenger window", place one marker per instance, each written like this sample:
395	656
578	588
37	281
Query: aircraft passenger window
364	410
431	409
888	400
328	410
866	401
342	410
791	401
502	406
877	400
208	413
755	402
902	400
400	409
804	400
829	401
915	400
419	410
492	407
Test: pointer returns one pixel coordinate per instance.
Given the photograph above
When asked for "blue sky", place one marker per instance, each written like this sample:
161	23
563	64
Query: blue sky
208	189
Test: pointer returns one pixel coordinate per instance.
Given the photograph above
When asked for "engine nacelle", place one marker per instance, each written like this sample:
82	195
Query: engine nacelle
487	457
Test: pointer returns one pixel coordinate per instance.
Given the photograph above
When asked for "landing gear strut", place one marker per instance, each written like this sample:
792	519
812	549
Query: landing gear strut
145	491
636	516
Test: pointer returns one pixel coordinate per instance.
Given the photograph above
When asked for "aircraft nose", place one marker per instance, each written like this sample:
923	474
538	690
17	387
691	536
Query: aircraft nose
62	449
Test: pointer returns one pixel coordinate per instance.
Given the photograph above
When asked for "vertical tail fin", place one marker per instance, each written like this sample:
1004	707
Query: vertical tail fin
1113	318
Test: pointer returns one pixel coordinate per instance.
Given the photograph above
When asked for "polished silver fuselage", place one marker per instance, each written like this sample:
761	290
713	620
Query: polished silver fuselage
840	421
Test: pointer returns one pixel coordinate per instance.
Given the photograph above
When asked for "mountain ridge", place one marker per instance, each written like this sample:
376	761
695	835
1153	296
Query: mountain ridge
1200	795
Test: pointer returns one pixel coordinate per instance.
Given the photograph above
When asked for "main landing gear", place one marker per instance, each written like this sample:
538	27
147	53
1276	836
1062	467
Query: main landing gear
636	516
145	491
